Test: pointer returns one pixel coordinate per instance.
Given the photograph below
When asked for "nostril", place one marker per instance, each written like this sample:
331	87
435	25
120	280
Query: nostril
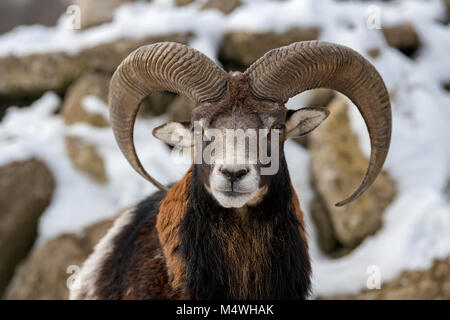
234	175
227	173
240	173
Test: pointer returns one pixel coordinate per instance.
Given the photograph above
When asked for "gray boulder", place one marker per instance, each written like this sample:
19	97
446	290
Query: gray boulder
44	274
338	166
26	189
241	48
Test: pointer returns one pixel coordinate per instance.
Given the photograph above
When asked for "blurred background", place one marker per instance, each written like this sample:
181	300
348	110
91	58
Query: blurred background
63	178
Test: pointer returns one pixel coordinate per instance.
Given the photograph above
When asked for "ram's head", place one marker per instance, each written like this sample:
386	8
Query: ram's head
246	112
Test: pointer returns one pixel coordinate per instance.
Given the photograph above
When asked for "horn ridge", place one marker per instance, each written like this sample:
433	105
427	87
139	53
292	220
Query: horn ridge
287	71
158	67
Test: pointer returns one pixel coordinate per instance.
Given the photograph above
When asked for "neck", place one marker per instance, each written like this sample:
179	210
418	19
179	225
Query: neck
256	252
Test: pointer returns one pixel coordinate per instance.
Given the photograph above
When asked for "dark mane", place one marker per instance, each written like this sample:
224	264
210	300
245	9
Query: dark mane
260	255
223	253
186	243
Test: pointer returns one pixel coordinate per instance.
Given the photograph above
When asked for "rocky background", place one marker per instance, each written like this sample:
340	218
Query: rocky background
34	269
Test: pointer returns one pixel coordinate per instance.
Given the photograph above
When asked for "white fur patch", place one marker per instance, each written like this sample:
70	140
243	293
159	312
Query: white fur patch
234	157
84	285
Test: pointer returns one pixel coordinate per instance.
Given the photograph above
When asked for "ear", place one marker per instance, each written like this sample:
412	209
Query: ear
303	121
175	134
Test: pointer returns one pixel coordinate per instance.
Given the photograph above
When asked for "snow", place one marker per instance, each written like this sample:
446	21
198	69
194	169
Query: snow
78	201
133	20
95	105
416	226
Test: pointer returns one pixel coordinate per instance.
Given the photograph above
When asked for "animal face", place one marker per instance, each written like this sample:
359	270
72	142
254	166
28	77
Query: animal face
237	142
251	100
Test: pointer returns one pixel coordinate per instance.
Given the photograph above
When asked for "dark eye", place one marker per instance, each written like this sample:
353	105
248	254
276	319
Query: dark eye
278	127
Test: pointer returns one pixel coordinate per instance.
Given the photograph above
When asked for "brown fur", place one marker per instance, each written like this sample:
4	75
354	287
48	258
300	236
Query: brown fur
154	266
245	250
171	212
239	99
299	214
136	269
154	269
149	265
254	252
244	246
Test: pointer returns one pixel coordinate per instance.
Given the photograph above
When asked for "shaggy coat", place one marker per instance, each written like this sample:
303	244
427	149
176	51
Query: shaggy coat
184	245
187	243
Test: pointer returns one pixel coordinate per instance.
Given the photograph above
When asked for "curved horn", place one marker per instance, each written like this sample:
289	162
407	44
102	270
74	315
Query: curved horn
287	71
160	66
